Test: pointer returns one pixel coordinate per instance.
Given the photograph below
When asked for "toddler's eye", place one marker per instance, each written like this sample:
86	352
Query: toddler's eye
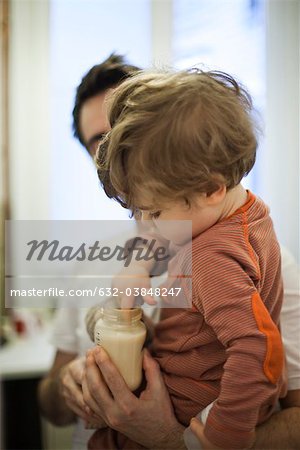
155	214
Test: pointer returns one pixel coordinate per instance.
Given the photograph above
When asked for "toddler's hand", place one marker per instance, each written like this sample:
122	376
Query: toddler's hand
133	282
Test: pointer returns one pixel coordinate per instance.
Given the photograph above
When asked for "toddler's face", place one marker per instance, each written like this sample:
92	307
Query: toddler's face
198	213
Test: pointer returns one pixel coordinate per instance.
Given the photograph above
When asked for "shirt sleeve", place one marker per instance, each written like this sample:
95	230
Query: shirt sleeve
63	335
290	317
231	305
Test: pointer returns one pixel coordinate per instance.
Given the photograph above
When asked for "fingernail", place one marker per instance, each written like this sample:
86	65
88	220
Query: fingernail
89	359
87	410
194	421
102	355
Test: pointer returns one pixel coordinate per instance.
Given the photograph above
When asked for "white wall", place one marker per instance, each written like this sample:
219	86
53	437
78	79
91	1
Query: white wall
162	31
95	28
29	109
281	159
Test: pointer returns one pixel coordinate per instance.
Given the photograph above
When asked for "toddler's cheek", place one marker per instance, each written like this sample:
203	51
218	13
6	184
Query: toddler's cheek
178	232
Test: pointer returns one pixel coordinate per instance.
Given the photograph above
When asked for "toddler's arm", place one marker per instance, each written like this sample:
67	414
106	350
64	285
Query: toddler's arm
252	373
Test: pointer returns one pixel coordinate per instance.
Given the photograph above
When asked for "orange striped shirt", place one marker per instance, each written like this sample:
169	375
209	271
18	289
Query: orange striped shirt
228	348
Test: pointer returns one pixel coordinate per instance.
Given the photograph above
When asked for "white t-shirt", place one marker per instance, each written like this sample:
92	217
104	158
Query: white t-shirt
69	333
290	317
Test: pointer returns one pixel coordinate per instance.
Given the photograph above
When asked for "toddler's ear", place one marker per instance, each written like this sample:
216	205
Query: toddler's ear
216	197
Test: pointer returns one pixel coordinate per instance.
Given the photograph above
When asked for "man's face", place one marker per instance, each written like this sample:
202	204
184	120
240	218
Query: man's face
93	121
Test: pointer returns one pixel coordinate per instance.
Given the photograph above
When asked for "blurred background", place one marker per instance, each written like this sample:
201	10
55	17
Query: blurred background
46	48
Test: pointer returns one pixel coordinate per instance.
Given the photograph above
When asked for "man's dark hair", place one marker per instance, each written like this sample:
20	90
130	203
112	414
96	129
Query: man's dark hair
98	79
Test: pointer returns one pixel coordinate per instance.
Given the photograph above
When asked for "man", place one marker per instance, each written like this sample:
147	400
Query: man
148	420
59	404
89	114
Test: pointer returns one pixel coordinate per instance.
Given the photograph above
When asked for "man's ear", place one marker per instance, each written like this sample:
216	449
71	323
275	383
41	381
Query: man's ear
217	196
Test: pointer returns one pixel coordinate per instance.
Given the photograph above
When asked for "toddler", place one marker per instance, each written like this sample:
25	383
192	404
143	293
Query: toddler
179	146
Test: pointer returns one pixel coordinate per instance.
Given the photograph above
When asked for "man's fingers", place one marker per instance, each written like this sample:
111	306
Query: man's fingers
78	397
78	411
71	390
91	405
95	391
197	428
113	378
77	370
75	393
152	373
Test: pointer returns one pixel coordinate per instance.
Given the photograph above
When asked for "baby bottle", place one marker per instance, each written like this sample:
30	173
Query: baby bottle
122	334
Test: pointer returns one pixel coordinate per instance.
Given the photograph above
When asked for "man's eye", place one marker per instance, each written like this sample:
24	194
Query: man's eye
155	214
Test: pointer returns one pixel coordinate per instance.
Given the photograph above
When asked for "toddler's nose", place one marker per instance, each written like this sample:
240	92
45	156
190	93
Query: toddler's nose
145	216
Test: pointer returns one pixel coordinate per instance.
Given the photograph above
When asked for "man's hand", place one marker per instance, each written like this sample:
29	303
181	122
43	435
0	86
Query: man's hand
70	386
197	428
149	419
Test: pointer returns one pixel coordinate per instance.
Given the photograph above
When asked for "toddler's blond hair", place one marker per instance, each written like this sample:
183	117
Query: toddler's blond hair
175	134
